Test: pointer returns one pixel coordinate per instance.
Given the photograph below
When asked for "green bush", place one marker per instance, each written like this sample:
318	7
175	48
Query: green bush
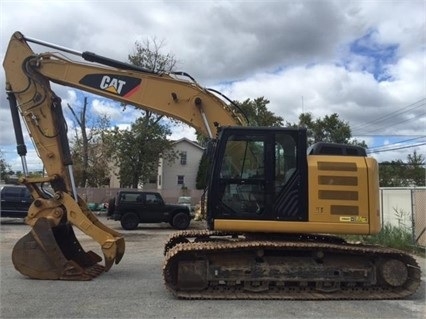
390	236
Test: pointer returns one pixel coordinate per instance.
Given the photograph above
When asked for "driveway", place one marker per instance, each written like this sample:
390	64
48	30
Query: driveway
134	289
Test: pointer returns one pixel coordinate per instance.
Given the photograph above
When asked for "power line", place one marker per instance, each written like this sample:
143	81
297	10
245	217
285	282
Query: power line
392	114
394	149
393	125
384	135
399	142
405	109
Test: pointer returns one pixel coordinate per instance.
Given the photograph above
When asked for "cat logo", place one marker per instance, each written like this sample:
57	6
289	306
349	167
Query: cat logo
124	86
112	85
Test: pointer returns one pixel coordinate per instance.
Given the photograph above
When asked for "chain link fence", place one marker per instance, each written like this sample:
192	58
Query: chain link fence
405	208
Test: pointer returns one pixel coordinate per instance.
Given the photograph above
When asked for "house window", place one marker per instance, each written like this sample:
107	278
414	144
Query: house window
183	158
181	179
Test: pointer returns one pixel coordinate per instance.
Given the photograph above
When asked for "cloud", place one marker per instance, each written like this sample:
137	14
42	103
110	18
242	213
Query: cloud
364	60
101	107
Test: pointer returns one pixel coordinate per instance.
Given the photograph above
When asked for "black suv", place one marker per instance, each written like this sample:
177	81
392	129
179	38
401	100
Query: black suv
15	201
134	207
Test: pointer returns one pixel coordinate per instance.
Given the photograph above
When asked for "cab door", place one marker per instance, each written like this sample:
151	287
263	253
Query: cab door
259	173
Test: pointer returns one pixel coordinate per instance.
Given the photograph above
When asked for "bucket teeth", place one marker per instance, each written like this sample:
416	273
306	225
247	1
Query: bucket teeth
72	271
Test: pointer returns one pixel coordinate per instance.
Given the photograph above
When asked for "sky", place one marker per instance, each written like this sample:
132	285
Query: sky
364	60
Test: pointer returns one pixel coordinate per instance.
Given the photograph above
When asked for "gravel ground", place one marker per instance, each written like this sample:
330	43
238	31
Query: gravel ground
134	289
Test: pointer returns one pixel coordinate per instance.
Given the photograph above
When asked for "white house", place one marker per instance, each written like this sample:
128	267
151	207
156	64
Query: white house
182	173
173	177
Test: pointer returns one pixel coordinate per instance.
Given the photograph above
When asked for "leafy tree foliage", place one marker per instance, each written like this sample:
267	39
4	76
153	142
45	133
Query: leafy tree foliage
416	171
5	168
327	129
390	173
258	114
136	151
148	56
400	174
88	151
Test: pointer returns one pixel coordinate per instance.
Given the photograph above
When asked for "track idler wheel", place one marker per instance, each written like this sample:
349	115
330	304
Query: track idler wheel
48	252
394	272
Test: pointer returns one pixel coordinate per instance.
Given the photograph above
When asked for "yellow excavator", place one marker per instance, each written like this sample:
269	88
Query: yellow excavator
275	208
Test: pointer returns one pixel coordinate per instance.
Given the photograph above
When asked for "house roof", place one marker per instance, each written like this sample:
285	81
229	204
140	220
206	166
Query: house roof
185	140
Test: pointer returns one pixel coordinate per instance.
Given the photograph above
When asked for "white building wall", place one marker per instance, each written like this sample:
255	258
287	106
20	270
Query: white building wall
396	206
167	175
169	172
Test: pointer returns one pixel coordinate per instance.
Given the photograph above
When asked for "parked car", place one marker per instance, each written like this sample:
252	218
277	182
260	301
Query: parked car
15	201
134	207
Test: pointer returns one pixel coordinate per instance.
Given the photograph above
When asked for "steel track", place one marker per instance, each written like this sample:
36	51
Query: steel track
193	245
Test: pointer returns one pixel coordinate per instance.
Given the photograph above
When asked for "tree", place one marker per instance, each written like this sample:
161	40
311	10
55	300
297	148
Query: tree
400	174
390	174
136	151
147	55
4	167
416	169
327	129
258	114
90	165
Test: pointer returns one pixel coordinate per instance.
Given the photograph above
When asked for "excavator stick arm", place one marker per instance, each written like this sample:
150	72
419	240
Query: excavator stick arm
52	242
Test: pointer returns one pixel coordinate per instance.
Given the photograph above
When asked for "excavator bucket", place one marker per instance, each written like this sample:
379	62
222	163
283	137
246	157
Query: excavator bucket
51	249
48	252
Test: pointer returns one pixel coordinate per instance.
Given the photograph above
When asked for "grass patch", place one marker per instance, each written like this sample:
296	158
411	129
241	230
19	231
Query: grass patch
390	236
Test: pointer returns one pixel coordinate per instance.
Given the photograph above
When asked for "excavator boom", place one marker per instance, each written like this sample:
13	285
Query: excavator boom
51	250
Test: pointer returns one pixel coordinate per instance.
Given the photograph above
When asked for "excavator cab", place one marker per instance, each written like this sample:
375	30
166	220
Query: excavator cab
250	184
267	180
